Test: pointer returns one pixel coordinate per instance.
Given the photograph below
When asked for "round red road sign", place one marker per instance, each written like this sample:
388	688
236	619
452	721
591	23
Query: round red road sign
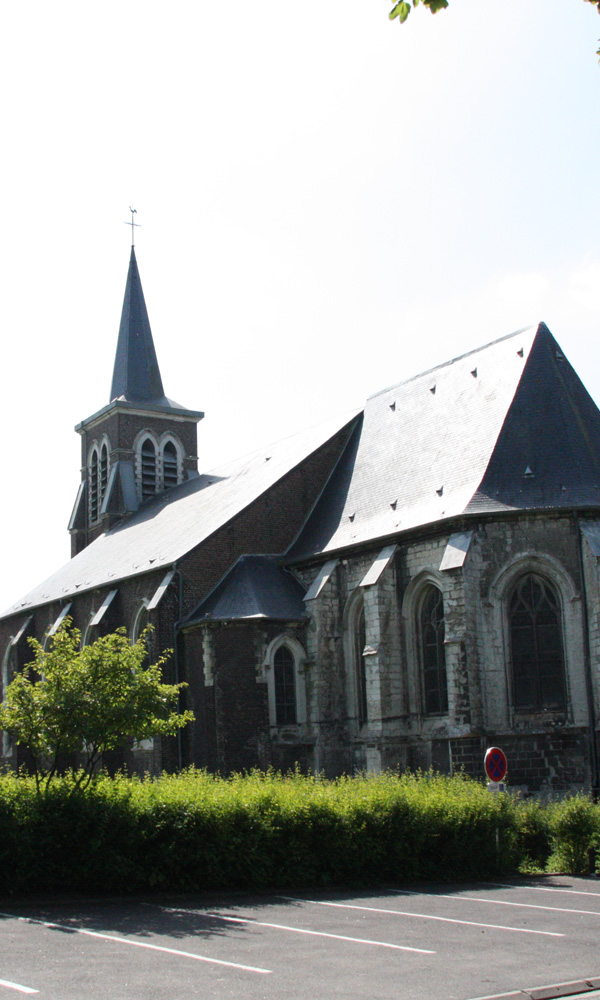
495	764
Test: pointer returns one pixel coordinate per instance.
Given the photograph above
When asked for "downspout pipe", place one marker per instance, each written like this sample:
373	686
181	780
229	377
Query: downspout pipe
587	664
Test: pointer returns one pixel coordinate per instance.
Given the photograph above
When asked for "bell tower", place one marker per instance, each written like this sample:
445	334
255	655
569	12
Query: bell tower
141	443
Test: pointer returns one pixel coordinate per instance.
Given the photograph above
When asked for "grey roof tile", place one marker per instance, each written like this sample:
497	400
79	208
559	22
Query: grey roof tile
172	524
255	587
457	439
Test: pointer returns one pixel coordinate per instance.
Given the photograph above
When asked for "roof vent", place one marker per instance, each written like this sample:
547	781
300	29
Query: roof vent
440	491
432	390
351	516
394	504
520	352
268	458
528	474
393	405
474	373
560	356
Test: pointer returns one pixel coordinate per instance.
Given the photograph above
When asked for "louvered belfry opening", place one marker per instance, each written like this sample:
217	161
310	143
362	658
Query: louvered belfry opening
103	475
148	455
170	470
94	478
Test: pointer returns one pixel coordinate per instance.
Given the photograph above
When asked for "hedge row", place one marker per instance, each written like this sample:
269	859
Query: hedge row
195	831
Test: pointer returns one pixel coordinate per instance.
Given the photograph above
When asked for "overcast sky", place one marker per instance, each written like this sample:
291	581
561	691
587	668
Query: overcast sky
328	203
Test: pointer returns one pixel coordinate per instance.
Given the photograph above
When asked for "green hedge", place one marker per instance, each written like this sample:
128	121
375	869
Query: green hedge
195	831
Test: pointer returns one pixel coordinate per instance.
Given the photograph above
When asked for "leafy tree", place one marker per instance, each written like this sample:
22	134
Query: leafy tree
402	9
86	701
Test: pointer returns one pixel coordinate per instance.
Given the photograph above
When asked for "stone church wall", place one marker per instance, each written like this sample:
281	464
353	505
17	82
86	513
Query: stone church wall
547	752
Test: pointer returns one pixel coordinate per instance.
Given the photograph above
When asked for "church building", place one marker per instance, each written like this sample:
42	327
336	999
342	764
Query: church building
398	588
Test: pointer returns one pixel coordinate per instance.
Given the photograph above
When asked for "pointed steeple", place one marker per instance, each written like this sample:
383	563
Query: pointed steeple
136	375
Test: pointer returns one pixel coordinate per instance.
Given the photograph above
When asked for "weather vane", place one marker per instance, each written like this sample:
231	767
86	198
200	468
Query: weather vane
132	224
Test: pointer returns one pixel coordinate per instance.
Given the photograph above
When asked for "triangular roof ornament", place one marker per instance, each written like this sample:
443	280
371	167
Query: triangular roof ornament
136	375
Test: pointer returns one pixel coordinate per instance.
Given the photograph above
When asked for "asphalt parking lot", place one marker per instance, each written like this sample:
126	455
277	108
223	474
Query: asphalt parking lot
426	943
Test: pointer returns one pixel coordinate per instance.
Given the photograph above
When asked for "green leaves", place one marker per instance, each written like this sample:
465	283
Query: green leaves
86	701
403	9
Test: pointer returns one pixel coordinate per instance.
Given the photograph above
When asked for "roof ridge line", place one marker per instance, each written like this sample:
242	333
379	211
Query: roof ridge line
460	357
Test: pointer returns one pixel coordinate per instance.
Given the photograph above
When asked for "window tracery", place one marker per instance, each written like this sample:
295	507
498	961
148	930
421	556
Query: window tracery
431	631
536	645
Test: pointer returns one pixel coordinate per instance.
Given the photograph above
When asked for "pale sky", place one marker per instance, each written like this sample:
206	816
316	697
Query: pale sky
328	203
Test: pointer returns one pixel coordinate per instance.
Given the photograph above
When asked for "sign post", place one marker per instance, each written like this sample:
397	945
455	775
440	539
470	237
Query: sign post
495	768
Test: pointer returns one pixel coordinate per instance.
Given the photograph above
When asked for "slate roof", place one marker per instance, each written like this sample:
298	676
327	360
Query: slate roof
255	587
136	382
506	427
136	375
174	522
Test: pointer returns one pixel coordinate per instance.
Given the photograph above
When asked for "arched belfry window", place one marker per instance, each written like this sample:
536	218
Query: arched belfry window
431	633
170	465
98	466
148	468
284	671
94	491
536	645
103	472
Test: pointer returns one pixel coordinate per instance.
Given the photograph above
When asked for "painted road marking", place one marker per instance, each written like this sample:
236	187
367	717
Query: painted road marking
496	902
295	930
546	888
17	986
423	916
136	944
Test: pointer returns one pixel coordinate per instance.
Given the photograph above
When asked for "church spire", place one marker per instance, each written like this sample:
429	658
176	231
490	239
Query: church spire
136	375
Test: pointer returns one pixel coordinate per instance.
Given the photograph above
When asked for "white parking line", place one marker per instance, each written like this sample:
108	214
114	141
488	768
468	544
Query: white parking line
296	930
17	986
423	916
496	902
135	944
545	888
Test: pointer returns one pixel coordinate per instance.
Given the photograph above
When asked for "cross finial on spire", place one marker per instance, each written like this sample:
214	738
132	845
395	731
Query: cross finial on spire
132	224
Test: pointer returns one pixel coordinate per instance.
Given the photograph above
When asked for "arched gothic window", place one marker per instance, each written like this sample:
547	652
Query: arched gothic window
431	633
536	645
355	640
284	669
9	666
170	465
360	641
148	468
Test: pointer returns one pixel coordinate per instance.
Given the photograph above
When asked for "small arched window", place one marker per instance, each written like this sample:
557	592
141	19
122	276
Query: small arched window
148	468
284	669
170	465
431	633
536	645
